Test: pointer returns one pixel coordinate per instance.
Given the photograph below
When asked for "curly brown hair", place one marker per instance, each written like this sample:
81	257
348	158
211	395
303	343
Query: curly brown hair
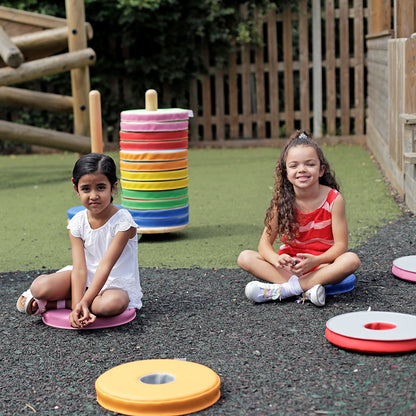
283	201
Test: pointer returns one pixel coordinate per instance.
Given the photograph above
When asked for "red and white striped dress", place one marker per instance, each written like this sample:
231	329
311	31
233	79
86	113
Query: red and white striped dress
315	230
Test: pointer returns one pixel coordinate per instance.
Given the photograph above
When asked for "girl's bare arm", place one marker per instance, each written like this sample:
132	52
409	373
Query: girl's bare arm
266	249
79	271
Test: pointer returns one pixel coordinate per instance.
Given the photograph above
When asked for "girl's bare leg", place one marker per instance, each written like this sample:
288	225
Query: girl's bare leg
252	262
343	266
52	287
110	302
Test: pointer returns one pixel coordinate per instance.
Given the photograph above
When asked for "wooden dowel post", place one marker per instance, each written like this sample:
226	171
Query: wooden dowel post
96	122
151	100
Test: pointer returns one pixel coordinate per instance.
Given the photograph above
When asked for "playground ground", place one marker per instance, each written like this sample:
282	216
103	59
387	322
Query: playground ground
273	359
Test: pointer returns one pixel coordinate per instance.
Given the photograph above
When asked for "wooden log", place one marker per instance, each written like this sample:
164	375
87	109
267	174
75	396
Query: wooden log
29	18
47	66
43	137
46	39
9	52
36	99
96	122
80	76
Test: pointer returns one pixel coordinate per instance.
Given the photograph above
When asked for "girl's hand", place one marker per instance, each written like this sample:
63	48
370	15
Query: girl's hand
304	263
81	316
287	262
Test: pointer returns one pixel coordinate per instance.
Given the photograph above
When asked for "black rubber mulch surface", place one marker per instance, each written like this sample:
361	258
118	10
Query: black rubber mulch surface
272	358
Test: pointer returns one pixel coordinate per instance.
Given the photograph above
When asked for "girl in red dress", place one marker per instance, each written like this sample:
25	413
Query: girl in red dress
307	213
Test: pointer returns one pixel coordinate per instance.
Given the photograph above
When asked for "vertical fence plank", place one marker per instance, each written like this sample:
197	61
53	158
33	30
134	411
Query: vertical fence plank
206	100
273	75
260	88
317	67
233	96
246	91
344	66
246	84
304	66
330	67
394	65
193	102
410	76
219	105
359	66
288	69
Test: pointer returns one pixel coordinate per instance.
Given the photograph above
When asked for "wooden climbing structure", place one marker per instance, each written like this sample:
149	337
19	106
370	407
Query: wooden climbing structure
33	46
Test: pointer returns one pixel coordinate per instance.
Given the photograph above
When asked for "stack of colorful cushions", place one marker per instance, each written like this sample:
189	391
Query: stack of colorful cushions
154	168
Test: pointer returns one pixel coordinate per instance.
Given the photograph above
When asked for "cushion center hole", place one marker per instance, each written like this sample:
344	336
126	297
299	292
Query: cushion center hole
379	326
157	378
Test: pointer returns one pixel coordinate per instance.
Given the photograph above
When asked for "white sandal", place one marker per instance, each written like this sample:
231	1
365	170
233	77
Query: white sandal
29	299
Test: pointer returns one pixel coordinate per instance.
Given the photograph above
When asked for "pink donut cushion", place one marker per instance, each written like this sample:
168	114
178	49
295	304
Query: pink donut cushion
58	318
405	268
160	115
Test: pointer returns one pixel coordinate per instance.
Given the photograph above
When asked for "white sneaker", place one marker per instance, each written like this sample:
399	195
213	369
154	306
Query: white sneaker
262	292
316	295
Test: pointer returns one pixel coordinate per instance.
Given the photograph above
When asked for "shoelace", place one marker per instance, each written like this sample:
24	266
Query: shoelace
303	298
271	292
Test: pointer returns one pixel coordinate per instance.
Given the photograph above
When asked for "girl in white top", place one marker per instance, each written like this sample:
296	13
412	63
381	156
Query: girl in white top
104	278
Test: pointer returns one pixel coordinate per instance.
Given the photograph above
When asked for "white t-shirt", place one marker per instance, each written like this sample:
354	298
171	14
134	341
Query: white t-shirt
125	273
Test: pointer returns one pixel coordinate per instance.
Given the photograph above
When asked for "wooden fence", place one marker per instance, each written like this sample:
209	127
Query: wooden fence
268	92
391	118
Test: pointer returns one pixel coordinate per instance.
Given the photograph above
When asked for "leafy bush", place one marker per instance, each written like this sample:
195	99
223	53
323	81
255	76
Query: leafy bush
142	44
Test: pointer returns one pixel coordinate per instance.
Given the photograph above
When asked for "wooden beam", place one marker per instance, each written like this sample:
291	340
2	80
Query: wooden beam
43	137
380	16
404	18
410	157
47	66
36	99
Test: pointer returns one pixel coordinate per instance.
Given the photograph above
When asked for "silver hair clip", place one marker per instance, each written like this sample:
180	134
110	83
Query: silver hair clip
303	136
